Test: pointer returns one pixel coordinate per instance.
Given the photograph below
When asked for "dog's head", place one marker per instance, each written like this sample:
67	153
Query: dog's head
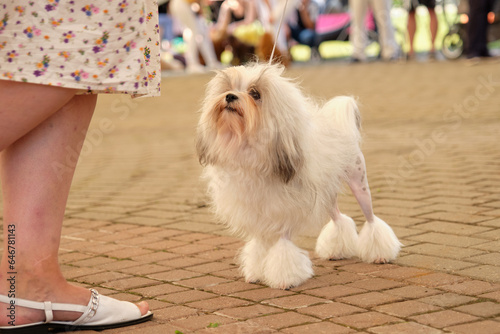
253	117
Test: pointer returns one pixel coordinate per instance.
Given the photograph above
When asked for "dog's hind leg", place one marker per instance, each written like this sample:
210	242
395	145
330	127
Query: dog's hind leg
338	239
377	241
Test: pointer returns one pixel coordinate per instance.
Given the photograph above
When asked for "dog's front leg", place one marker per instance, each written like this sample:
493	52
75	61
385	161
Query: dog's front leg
251	260
377	241
286	265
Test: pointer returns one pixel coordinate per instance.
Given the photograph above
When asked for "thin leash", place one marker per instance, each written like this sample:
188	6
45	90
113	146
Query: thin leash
278	33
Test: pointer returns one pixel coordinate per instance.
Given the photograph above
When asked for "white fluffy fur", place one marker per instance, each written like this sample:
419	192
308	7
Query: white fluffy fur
251	261
377	242
275	163
338	240
286	265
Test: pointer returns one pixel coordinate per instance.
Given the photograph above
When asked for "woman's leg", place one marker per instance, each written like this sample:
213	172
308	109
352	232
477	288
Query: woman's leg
24	106
36	174
434	27
358	30
412	28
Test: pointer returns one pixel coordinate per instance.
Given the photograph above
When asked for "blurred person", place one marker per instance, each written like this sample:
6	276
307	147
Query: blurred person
272	12
302	29
477	28
237	30
196	35
358	35
233	14
49	82
412	24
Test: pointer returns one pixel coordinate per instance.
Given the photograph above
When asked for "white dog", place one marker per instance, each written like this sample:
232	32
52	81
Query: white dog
275	163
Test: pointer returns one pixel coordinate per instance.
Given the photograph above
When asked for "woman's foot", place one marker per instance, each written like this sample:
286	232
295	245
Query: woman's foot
64	292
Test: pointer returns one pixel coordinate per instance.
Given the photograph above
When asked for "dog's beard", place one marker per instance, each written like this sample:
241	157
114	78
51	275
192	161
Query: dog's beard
235	123
230	124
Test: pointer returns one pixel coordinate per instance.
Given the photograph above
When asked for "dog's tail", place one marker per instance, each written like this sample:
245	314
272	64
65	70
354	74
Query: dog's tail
346	115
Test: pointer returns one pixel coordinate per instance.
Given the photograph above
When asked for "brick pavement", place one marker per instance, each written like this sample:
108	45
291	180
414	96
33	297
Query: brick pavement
137	225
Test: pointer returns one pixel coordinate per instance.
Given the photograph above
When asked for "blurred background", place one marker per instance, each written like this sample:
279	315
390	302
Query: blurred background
200	35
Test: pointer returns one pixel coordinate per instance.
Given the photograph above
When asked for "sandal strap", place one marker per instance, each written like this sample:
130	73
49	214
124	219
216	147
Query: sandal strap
49	307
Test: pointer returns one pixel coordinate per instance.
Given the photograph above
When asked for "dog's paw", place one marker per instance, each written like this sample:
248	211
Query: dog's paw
380	260
286	266
338	240
378	243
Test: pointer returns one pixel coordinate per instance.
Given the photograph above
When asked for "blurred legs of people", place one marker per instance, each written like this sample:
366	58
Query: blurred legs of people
196	36
477	29
412	28
382	14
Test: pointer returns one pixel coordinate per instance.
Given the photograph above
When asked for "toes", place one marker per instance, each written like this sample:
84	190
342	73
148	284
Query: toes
381	261
143	307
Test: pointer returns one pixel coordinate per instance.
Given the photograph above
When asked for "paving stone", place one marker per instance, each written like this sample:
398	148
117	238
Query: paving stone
482	272
144	269
247	327
318	328
492	295
174	275
218	303
490	258
367	267
103	277
333	292
366	320
405	328
202	282
480	327
157	290
181	261
448	239
296	301
447	300
130	283
262	293
433	262
247	312
283	320
436	279
412	292
472	287
202	321
231	287
444	251
330	310
406	308
376	284
370	299
174	312
443	319
485	309
399	273
186	296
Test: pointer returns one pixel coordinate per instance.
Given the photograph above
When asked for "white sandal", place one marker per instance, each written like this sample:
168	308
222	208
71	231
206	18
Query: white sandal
101	313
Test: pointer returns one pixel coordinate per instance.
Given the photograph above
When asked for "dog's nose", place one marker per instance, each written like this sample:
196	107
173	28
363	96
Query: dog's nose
230	98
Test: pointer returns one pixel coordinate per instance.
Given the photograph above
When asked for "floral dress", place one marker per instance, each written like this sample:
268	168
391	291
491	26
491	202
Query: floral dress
107	46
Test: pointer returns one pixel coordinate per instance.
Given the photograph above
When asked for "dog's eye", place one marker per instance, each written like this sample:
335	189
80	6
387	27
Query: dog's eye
254	94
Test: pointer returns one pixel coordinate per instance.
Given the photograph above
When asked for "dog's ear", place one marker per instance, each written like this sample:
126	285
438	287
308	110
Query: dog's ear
201	151
289	158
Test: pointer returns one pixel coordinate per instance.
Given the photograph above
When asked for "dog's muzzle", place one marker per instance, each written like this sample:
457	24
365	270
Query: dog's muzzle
230	98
